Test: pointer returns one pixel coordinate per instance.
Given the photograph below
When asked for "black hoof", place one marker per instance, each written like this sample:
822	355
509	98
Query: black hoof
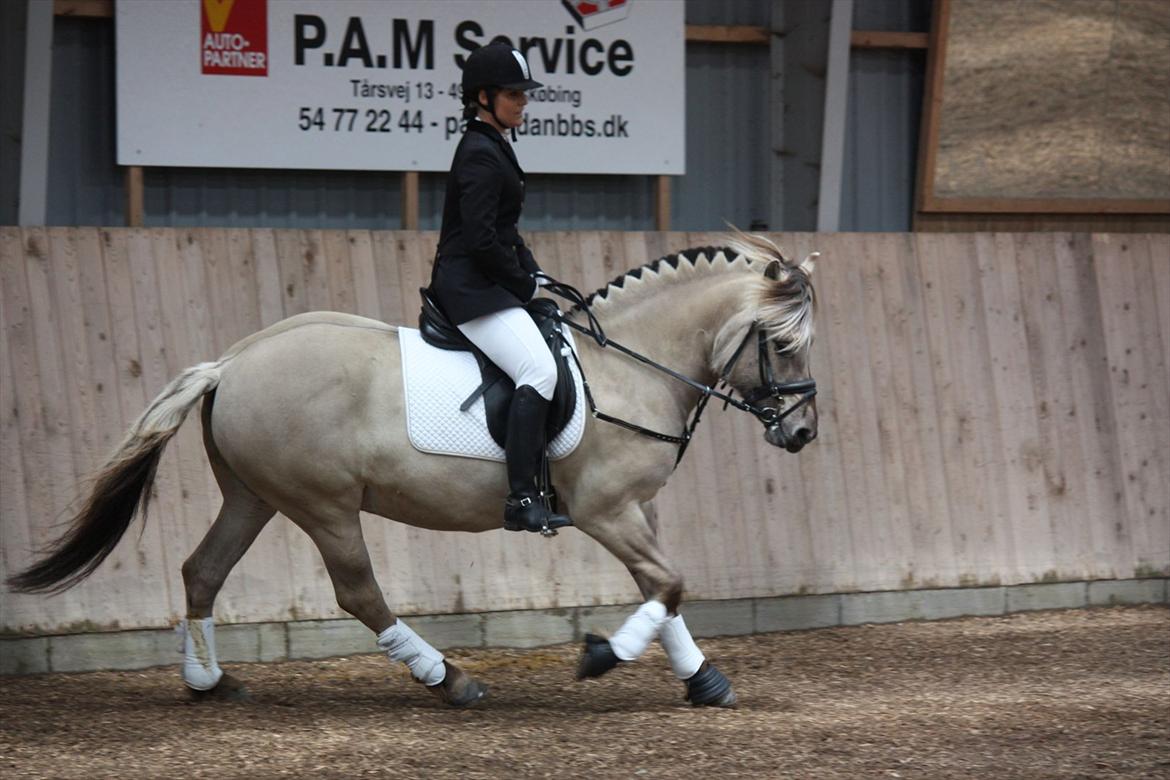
597	657
708	687
227	689
458	688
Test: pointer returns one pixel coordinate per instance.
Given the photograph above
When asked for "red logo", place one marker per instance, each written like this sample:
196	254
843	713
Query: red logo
591	14
234	37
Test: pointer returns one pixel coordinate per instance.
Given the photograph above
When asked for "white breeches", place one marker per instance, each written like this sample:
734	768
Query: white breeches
512	341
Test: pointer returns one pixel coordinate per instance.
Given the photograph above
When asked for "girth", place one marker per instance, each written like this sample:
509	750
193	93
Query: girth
497	387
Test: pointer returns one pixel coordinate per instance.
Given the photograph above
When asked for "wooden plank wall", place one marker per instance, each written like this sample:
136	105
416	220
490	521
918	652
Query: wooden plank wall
994	409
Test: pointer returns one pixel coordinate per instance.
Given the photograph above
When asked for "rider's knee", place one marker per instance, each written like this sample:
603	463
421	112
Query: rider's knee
541	375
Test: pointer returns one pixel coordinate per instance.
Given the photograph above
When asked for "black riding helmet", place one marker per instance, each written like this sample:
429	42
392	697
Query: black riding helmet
496	65
493	67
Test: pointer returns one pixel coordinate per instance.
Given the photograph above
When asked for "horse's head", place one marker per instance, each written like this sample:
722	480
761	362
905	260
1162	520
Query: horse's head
763	350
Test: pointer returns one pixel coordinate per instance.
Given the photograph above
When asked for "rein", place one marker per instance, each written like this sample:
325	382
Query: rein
769	416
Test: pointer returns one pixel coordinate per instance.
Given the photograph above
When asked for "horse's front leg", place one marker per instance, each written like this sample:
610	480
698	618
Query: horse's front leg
632	537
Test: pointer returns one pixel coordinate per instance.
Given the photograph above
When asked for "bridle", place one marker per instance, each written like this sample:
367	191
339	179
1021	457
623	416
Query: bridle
769	388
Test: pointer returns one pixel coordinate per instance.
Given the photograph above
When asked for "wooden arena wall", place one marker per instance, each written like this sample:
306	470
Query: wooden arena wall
994	410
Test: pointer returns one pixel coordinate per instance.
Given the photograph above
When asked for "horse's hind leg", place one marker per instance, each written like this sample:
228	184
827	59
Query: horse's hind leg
241	518
338	536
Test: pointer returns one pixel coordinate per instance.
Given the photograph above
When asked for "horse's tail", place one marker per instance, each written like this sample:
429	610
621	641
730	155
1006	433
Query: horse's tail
120	488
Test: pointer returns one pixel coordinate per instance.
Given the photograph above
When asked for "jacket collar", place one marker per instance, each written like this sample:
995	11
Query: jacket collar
479	126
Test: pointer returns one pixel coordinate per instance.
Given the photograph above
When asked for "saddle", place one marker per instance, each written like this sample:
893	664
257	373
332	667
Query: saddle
497	387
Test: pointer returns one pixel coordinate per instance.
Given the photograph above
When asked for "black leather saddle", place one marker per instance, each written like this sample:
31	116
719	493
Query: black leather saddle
496	387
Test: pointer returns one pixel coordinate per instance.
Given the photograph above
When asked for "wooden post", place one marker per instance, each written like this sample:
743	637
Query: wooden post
134	196
662	204
410	200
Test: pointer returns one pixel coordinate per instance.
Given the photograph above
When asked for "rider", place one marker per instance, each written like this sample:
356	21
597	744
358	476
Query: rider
484	273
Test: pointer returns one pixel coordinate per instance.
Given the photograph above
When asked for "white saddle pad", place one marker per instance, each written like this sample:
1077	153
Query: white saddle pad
437	381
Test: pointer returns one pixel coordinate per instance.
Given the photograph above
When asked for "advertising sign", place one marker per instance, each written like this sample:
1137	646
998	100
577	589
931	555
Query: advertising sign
374	84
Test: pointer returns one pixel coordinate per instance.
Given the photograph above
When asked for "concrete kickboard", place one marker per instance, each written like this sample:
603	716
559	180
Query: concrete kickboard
797	613
28	655
115	650
139	649
604	620
1108	592
251	642
734	617
329	639
449	631
896	606
528	629
1056	595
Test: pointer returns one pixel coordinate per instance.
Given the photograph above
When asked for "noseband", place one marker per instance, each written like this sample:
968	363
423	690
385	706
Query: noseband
770	416
769	388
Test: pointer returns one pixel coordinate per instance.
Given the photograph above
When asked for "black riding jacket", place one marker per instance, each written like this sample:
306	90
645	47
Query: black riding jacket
482	265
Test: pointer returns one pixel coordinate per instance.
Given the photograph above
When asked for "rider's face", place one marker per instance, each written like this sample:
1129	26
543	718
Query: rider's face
510	105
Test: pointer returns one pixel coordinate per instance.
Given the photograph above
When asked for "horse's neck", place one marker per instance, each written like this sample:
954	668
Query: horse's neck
675	327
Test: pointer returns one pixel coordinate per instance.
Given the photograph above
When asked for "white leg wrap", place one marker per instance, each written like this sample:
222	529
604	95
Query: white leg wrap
639	630
685	656
402	644
201	670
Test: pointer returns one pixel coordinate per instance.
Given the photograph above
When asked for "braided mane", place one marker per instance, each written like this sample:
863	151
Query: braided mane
783	306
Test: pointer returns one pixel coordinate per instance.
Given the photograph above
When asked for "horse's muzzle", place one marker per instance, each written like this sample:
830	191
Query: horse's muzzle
793	442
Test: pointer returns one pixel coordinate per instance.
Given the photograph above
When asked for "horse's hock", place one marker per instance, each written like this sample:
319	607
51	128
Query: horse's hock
997	441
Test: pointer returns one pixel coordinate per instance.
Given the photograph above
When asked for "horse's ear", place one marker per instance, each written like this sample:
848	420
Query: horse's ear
774	270
809	262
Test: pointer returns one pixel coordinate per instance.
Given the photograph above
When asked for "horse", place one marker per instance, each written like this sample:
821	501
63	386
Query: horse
306	418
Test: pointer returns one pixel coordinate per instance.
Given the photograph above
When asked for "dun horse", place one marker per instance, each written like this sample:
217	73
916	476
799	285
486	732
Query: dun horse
306	418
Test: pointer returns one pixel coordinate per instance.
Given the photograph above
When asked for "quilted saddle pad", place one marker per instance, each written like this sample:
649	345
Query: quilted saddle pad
436	381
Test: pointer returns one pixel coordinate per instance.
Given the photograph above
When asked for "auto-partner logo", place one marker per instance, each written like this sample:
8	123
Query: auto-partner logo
591	14
234	37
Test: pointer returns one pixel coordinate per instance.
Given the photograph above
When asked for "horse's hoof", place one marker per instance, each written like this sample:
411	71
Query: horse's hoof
458	688
597	657
708	687
227	689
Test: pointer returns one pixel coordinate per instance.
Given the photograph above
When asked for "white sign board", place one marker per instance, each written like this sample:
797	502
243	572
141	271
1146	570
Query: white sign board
363	84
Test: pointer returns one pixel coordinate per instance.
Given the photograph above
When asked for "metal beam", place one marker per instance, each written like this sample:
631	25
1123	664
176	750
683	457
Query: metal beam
836	107
34	134
776	138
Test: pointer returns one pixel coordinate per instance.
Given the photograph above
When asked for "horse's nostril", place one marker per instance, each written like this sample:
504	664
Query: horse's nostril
805	435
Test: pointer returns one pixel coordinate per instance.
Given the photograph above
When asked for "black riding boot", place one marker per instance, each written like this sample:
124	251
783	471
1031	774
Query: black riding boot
526	509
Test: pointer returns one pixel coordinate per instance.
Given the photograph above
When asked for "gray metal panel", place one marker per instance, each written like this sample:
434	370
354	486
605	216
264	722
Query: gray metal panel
12	32
85	185
896	15
806	45
746	12
881	144
728	129
885	109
